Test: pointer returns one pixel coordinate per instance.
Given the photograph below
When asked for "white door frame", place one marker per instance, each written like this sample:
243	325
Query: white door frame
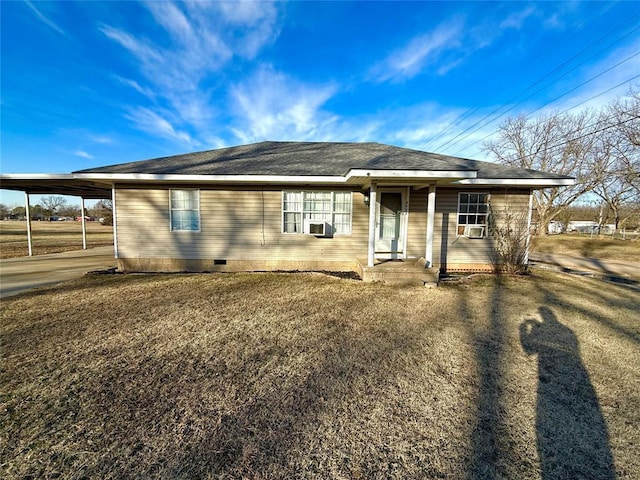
401	252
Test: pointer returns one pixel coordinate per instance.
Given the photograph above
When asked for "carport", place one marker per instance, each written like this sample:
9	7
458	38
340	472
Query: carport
52	184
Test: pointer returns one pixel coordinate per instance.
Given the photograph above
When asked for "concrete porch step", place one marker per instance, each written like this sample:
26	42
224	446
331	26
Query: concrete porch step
407	272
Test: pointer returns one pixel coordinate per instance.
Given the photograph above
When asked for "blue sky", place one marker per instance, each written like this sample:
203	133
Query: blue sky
94	83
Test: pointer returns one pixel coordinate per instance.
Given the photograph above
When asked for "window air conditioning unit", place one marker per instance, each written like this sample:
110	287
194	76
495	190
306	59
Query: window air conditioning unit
474	231
318	228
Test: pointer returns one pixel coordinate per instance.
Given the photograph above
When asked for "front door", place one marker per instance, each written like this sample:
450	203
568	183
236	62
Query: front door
389	225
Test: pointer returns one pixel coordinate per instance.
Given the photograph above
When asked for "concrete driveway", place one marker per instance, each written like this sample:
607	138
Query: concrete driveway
24	273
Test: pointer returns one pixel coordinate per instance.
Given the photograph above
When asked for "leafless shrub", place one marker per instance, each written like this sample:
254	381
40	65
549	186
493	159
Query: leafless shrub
508	228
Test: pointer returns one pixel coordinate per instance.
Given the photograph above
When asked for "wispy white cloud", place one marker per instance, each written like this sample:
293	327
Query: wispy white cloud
421	51
270	105
47	21
516	19
560	15
83	154
176	72
101	139
147	92
155	124
449	44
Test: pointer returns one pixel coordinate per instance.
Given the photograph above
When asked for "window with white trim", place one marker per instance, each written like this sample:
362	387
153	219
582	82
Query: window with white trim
333	208
184	210
473	211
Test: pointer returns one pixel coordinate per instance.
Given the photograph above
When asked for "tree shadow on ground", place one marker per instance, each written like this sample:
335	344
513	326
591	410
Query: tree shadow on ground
572	436
487	438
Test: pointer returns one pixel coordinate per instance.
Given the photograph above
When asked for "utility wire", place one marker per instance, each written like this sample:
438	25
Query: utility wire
603	129
496	110
560	113
484	121
477	107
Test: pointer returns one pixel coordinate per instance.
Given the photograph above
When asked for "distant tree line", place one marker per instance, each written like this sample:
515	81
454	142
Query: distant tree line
54	206
599	147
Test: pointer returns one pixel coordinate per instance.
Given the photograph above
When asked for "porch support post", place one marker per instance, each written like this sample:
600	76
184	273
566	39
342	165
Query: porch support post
431	214
28	214
372	224
84	227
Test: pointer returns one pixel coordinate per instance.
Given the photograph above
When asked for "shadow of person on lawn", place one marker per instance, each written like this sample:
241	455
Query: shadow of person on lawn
572	435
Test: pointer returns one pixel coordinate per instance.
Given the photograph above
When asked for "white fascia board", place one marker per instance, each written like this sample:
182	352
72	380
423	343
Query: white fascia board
412	174
519	182
36	176
148	177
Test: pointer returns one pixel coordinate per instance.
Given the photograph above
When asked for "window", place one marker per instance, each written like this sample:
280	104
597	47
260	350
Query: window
333	208
473	209
185	210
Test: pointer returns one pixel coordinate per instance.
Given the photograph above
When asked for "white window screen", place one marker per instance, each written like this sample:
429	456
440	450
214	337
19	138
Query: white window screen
342	212
185	210
292	209
473	209
333	208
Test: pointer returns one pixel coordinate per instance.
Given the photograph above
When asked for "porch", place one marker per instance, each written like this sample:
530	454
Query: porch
406	272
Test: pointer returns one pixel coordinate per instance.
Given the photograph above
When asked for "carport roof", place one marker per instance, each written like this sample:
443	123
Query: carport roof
55	184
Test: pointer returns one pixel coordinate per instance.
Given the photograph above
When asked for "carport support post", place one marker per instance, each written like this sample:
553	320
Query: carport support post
28	214
372	225
431	213
84	227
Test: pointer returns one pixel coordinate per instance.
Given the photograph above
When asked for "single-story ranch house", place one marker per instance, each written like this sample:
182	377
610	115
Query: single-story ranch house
304	206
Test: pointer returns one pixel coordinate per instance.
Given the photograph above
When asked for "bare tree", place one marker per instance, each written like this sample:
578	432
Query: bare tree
4	211
52	203
627	116
70	211
104	209
557	143
617	169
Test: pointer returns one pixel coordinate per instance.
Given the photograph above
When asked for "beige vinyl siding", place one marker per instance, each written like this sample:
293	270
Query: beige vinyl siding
451	250
243	223
417	228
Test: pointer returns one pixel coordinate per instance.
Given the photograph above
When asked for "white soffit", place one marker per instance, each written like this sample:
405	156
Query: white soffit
518	182
410	174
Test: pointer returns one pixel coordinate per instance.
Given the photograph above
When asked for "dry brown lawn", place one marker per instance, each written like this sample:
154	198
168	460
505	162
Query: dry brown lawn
310	376
578	245
50	237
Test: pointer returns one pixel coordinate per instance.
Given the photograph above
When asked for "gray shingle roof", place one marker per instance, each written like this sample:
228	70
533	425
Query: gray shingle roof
313	158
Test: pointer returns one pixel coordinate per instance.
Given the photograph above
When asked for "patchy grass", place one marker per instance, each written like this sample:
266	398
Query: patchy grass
50	237
308	376
579	245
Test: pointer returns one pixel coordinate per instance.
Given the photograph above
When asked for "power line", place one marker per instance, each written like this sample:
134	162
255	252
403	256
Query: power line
477	107
496	110
560	113
484	123
603	129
